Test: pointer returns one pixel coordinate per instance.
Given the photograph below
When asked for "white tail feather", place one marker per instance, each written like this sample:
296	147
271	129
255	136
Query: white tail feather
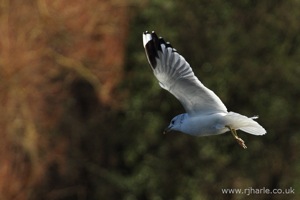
244	123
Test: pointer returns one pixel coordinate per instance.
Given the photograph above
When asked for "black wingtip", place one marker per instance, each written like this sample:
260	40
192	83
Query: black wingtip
169	45
156	41
151	49
153	46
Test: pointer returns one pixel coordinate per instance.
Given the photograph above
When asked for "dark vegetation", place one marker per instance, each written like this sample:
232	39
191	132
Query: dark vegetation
82	114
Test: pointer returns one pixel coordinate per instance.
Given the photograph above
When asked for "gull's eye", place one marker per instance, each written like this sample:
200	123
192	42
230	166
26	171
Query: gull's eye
172	122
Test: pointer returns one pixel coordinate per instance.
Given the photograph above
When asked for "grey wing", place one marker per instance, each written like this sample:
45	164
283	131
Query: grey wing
175	75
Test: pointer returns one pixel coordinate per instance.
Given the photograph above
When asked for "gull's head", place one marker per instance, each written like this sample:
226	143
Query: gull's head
175	124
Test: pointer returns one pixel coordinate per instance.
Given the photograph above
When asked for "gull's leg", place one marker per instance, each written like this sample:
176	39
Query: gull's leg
238	139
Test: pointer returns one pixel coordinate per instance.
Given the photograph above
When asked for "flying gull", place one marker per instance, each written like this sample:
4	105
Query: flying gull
205	112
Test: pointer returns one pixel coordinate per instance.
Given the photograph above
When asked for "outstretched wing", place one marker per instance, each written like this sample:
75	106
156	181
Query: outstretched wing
175	75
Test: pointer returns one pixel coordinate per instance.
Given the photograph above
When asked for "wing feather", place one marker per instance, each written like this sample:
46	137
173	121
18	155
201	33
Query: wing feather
175	75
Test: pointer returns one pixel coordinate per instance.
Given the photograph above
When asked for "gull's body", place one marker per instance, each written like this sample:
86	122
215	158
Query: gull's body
210	125
206	113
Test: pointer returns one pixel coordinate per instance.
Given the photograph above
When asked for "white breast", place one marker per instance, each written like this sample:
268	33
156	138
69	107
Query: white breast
204	125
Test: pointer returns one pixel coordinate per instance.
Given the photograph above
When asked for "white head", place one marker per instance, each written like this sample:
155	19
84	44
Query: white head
176	122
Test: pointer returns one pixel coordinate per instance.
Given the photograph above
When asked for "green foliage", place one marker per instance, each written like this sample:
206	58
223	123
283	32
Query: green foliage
245	51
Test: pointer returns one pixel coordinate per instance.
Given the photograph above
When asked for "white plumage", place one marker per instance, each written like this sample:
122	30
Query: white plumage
206	113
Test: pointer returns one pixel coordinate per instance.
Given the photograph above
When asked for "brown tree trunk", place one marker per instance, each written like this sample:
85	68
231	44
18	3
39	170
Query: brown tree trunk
59	64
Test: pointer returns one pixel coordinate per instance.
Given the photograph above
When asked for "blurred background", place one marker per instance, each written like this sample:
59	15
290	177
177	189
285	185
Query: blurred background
82	115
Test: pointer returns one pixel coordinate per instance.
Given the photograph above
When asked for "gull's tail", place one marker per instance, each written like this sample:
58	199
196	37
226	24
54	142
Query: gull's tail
246	124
